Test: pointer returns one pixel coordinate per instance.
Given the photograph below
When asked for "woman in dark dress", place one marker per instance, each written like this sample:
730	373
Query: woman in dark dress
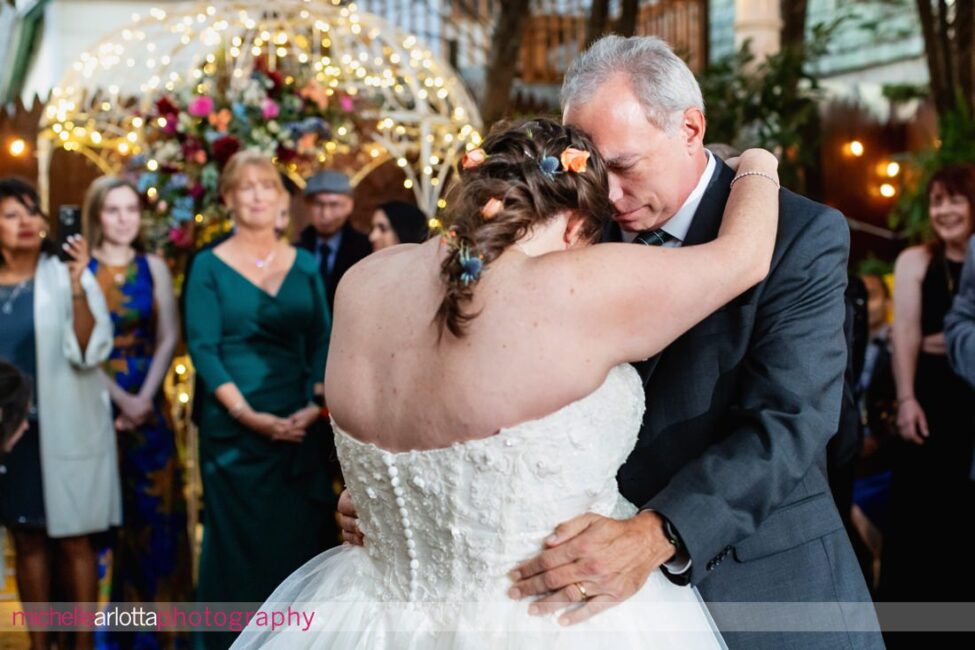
151	559
257	329
929	537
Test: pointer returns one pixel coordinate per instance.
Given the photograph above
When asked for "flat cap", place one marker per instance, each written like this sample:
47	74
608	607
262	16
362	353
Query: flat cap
328	182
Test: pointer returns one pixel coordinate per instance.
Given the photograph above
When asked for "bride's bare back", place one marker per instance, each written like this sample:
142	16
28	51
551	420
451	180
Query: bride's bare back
392	383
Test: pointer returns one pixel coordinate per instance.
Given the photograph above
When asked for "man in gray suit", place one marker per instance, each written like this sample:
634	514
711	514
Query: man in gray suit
960	322
730	467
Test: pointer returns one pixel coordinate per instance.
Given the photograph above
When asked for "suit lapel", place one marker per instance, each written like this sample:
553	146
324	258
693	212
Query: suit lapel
707	219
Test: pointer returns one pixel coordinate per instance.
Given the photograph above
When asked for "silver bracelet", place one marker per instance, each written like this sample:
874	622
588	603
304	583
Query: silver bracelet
742	175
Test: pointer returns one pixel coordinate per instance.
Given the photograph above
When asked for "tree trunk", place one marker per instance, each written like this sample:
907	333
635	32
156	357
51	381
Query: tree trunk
793	23
947	51
509	35
940	87
598	18
628	15
793	37
964	27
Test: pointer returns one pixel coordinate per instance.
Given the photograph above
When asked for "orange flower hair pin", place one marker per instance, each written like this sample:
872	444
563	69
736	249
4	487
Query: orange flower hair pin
492	208
574	160
473	159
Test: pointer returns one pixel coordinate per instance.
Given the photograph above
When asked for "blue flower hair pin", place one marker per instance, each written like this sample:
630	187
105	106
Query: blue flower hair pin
550	166
471	265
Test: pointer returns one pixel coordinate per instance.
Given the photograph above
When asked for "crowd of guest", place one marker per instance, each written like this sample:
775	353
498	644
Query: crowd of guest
89	452
911	391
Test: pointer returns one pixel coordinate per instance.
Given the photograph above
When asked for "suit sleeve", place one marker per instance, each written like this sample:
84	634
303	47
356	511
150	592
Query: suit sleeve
204	326
787	406
960	323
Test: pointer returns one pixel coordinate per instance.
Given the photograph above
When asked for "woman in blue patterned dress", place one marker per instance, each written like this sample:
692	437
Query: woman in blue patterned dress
151	560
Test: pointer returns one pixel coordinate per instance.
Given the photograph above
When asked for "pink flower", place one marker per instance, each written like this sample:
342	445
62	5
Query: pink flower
346	103
201	106
270	109
473	159
180	237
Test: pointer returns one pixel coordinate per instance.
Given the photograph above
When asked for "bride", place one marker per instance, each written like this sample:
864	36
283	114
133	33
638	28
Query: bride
481	395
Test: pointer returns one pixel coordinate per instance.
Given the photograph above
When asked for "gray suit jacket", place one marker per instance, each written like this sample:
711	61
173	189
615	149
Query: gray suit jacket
739	412
960	322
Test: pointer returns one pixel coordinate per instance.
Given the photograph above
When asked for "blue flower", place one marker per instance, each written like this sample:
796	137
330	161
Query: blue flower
550	166
471	266
239	111
211	136
147	180
177	182
180	215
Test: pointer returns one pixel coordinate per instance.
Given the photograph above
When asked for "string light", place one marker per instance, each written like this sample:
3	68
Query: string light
17	148
368	60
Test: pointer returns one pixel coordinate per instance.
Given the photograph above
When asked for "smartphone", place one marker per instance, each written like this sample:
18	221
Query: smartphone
69	225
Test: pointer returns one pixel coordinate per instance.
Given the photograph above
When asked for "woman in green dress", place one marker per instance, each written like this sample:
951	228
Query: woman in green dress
257	329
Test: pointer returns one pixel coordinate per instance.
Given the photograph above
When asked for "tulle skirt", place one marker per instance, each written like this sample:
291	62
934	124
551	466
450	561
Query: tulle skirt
337	601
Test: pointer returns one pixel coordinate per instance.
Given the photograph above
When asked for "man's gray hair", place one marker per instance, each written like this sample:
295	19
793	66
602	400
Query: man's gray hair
662	82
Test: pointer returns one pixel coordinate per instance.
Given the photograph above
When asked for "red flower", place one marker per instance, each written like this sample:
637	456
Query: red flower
197	191
285	154
224	148
166	108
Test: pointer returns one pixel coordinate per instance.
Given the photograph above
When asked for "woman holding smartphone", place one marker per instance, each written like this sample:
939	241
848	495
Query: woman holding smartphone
62	480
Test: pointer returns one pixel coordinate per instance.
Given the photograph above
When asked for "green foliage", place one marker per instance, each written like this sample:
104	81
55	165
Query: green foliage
899	93
771	104
957	130
873	265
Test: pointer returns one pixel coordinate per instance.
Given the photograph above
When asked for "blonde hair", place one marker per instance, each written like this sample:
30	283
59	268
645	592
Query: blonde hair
91	210
234	169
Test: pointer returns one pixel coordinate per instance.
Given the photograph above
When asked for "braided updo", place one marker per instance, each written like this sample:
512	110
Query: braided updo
524	195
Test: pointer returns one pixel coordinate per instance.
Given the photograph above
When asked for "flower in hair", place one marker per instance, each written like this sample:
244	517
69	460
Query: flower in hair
492	208
549	166
473	159
574	160
471	265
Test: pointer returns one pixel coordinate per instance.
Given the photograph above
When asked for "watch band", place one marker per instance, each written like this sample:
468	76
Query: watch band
672	535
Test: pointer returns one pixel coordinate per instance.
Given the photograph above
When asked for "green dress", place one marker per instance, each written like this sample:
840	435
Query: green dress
266	503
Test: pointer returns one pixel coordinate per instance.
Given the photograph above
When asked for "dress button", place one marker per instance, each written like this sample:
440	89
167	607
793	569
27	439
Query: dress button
393	471
398	491
400	501
414	564
411	552
404	513
394	481
408	533
410	544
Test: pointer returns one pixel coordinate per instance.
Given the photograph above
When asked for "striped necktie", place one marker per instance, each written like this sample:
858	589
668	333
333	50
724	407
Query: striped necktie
657	237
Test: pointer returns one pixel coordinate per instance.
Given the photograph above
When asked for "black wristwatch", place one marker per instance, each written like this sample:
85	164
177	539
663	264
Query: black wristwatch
671	533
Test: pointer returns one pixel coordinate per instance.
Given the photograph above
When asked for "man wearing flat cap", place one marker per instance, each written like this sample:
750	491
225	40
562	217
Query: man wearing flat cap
331	238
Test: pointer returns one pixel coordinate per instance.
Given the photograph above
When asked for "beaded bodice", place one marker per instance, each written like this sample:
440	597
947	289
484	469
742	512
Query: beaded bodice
449	524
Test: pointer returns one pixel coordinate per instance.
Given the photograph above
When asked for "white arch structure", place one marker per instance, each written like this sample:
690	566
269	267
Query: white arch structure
425	121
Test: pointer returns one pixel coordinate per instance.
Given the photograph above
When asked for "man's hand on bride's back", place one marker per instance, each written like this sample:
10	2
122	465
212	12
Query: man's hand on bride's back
349	520
593	558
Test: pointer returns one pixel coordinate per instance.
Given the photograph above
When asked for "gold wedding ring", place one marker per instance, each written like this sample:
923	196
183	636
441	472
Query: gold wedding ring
582	590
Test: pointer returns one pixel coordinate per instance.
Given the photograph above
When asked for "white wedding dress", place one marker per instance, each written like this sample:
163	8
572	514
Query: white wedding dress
443	528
